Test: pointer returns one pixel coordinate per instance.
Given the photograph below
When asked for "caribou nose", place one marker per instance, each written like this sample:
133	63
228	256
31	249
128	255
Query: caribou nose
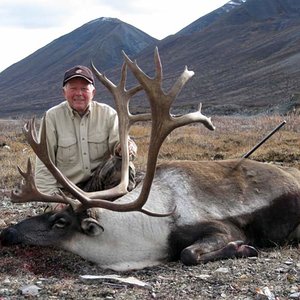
9	236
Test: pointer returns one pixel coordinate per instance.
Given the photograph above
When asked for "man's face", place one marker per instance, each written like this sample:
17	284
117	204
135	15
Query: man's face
79	93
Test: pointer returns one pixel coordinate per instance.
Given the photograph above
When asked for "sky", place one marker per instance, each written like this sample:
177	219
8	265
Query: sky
28	25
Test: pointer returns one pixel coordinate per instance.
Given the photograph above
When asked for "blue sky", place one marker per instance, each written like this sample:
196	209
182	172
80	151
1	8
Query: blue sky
28	25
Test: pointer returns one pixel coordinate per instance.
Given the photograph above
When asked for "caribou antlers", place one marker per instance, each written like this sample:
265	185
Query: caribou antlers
162	124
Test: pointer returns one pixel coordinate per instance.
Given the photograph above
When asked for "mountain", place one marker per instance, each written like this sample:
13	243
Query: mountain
210	18
34	84
246	61
245	56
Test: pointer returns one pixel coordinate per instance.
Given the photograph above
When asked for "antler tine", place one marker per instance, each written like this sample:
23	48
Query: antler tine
122	105
143	78
30	134
121	98
110	85
193	117
29	191
124	77
102	78
158	71
181	81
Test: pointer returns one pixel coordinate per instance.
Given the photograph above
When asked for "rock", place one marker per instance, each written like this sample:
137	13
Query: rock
295	295
2	223
6	281
127	280
264	294
30	290
203	276
222	270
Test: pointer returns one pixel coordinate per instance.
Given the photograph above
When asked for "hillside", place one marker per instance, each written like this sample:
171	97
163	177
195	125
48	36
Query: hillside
245	62
34	84
245	56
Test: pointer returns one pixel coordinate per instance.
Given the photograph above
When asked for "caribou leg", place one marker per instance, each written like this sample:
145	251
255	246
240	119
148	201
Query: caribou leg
194	254
209	241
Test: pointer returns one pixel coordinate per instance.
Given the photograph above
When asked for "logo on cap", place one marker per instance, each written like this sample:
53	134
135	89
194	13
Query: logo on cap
79	71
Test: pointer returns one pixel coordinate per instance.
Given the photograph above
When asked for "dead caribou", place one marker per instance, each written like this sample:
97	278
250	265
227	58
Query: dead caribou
196	211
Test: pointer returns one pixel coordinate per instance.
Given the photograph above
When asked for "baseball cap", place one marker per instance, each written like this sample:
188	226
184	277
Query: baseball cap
79	71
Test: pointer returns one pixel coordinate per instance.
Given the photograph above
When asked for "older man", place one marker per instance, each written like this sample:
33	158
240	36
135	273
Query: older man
82	138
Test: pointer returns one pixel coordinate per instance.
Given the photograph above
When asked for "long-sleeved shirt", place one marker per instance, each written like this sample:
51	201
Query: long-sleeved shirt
77	145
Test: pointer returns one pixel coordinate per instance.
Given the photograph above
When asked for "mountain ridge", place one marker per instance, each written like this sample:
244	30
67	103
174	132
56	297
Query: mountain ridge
244	58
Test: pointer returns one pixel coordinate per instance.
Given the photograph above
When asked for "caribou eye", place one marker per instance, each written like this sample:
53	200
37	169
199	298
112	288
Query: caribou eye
61	223
91	227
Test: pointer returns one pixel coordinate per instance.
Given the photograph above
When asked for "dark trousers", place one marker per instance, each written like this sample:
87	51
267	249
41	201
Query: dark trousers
108	175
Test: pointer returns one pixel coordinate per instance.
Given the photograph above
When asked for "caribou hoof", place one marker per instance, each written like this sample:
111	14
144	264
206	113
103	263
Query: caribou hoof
188	257
239	249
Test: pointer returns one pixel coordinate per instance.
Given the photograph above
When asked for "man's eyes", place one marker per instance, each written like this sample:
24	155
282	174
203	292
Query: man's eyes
82	89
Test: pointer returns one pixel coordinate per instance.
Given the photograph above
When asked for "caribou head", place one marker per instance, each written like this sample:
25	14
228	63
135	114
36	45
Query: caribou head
197	211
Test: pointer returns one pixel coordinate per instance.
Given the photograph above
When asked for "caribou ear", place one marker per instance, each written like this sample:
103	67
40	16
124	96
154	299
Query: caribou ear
91	227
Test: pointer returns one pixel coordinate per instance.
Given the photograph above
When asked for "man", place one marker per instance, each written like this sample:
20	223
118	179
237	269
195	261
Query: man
82	138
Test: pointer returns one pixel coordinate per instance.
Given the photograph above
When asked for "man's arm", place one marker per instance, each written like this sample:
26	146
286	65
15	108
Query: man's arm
132	147
114	144
45	182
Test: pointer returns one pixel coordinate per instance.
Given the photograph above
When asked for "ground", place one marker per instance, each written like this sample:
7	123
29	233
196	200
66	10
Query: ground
275	274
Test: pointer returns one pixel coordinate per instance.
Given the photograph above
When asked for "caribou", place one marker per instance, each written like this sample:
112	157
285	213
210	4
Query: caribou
195	211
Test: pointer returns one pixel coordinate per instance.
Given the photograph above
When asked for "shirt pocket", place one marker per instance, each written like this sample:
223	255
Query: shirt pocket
98	146
67	152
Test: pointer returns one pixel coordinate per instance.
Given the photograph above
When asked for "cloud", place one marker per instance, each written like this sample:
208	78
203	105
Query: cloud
39	14
150	16
31	14
130	6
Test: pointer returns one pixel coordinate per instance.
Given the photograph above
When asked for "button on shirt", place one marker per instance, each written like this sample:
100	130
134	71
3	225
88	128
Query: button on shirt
77	145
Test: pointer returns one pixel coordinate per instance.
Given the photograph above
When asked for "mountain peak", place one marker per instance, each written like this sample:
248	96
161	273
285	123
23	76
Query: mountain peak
207	20
104	19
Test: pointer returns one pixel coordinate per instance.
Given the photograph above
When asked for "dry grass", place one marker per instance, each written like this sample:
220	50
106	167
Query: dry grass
233	137
11	135
56	272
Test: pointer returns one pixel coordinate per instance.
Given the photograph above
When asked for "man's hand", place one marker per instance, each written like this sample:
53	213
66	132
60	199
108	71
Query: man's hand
132	147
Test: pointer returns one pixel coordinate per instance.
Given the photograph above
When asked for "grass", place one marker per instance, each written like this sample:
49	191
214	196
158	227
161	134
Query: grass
56	272
234	136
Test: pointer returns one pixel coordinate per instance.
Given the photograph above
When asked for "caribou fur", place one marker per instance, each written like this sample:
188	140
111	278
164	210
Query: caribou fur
223	209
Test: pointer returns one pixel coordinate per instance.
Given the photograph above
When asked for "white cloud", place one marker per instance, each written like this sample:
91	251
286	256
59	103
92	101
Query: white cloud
30	14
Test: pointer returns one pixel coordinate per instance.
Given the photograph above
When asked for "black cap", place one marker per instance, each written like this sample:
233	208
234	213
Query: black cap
79	71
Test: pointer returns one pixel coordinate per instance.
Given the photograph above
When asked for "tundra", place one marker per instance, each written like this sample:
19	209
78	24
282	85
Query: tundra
195	211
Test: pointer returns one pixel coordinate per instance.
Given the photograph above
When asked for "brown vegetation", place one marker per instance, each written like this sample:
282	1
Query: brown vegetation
233	137
242	279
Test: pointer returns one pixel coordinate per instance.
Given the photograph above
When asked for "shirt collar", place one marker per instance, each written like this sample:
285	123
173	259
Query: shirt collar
73	113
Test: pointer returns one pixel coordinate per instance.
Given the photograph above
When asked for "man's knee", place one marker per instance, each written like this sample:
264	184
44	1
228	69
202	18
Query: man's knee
111	172
108	175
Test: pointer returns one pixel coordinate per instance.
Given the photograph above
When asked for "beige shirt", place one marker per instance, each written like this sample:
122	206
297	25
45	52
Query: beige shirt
77	145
